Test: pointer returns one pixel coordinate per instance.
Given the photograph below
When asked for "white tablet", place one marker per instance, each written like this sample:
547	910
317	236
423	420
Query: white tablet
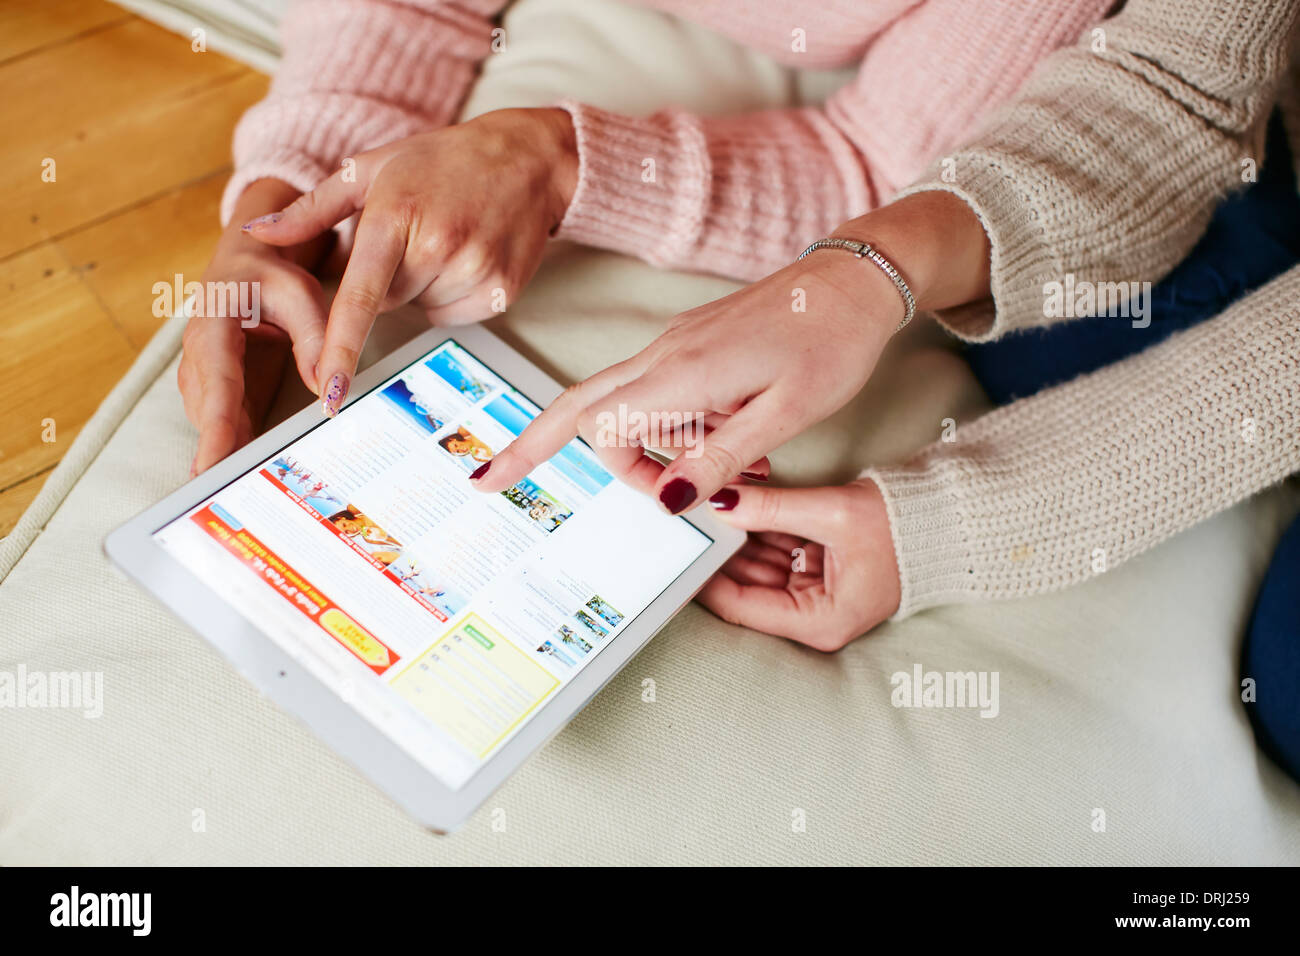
433	635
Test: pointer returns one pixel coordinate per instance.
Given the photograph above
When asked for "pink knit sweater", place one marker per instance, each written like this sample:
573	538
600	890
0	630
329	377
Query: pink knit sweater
736	195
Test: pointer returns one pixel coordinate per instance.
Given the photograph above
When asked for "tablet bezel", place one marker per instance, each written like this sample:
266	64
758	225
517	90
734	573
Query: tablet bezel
295	689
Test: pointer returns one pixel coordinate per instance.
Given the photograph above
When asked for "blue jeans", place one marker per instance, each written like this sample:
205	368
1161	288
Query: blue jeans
1253	237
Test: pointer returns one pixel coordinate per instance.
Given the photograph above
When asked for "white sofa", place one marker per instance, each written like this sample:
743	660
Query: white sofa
1120	696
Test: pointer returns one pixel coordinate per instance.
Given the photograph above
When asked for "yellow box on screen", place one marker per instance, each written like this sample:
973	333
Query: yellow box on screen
356	638
475	684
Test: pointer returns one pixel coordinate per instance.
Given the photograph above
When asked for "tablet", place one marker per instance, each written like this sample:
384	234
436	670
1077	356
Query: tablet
433	635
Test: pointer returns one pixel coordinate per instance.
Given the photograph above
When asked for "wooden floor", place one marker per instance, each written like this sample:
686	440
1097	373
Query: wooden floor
139	128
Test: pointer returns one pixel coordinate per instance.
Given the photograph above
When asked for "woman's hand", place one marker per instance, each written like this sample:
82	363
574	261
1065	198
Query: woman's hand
762	364
748	370
819	565
454	220
229	374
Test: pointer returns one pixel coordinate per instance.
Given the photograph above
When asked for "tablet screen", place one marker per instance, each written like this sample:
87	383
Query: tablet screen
446	616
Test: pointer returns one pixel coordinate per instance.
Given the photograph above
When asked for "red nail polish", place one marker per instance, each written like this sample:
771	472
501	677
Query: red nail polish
753	476
725	499
480	471
678	495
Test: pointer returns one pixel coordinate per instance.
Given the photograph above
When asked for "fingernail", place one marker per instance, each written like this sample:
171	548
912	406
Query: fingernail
752	476
678	495
194	467
335	392
262	221
480	471
725	499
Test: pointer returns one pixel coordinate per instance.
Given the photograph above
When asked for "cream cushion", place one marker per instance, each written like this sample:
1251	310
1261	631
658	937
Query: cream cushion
1119	697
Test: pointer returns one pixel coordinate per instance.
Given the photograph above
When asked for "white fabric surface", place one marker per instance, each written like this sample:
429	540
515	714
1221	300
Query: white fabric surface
1120	694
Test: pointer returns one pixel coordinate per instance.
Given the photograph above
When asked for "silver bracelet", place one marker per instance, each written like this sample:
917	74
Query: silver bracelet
863	250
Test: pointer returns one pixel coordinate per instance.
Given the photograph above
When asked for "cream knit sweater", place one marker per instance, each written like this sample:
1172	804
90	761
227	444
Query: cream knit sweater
1108	165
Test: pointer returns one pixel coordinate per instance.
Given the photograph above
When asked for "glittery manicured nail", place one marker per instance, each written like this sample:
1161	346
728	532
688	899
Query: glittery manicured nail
480	471
725	499
753	476
678	495
262	221
335	392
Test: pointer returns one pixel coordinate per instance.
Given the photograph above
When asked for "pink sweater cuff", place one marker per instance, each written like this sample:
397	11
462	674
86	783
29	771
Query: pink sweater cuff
738	195
643	184
305	139
355	75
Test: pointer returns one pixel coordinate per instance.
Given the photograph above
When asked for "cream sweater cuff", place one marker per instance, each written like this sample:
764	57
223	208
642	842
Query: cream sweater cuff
1021	258
927	518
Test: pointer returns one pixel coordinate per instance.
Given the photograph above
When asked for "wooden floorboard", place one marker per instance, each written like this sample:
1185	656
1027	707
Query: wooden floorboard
139	129
29	26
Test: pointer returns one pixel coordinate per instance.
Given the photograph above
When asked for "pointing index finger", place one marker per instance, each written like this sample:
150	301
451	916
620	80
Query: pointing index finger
550	431
377	252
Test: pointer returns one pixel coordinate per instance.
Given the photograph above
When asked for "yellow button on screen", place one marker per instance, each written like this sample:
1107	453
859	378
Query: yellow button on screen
355	637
